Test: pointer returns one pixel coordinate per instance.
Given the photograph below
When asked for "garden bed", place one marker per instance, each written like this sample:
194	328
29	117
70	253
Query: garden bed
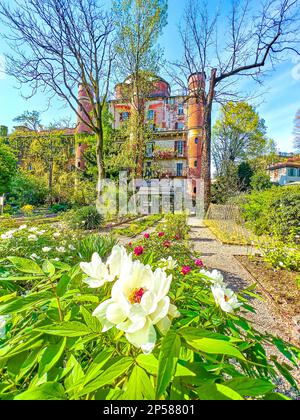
281	285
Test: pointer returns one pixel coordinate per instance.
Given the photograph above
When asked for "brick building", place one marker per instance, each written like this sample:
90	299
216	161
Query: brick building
175	148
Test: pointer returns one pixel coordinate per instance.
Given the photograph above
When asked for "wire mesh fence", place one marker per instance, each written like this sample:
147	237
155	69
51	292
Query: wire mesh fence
228	225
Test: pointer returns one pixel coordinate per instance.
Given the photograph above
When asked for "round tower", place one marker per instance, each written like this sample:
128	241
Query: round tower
195	121
82	127
86	106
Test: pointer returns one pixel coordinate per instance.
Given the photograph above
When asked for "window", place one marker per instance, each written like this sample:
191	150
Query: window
195	190
78	164
180	126
179	169
180	110
195	163
150	114
149	150
196	140
291	172
124	116
180	148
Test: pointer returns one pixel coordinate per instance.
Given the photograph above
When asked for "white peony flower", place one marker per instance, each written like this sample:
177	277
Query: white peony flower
72	248
225	298
56	259
33	229
56	234
41	232
97	272
61	249
118	260
33	238
22	227
169	264
138	302
46	249
214	276
34	257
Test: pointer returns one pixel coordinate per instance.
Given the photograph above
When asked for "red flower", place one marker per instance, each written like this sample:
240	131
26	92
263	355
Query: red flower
161	234
177	237
185	270
147	235
138	250
129	245
167	244
199	263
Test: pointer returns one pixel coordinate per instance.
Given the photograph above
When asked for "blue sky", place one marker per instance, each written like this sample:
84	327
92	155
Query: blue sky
278	104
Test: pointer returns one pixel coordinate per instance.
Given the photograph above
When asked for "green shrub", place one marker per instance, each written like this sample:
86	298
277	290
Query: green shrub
274	211
86	218
25	189
59	207
95	243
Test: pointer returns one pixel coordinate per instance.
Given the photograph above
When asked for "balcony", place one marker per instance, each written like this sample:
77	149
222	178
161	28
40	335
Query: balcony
167	154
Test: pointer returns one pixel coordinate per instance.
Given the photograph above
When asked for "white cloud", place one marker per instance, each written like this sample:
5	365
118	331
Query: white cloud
2	67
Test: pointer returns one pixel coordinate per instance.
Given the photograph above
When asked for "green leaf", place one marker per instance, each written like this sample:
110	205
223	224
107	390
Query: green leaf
62	285
97	365
148	362
48	268
217	392
66	329
108	376
75	376
91	321
275	396
139	386
249	386
51	356
26	266
22	303
47	391
168	357
212	346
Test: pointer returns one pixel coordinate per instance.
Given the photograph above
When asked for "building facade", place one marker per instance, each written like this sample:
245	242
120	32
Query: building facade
285	173
176	121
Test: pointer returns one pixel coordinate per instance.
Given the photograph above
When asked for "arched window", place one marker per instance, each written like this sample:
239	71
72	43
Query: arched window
196	140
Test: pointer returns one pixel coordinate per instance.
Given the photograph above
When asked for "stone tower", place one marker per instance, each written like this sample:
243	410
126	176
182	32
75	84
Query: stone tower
195	121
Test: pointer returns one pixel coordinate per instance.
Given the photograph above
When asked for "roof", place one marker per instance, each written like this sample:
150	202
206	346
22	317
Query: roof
291	163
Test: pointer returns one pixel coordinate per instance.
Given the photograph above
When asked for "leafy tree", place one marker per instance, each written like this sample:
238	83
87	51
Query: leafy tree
239	134
139	23
27	189
8	167
29	119
260	181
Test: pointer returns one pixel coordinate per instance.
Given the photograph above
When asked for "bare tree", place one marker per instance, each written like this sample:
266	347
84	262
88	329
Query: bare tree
297	132
139	24
246	43
57	44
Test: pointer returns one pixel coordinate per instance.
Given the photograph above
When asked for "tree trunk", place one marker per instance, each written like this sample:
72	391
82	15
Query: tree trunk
206	156
100	161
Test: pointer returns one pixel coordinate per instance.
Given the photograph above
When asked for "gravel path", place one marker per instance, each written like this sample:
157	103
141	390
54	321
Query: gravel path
222	257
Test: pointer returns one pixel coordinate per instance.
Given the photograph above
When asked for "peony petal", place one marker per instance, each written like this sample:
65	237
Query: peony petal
93	283
144	338
164	325
100	313
148	302
161	311
115	314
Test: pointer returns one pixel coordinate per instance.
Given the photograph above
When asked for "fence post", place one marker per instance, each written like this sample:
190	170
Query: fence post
1	205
